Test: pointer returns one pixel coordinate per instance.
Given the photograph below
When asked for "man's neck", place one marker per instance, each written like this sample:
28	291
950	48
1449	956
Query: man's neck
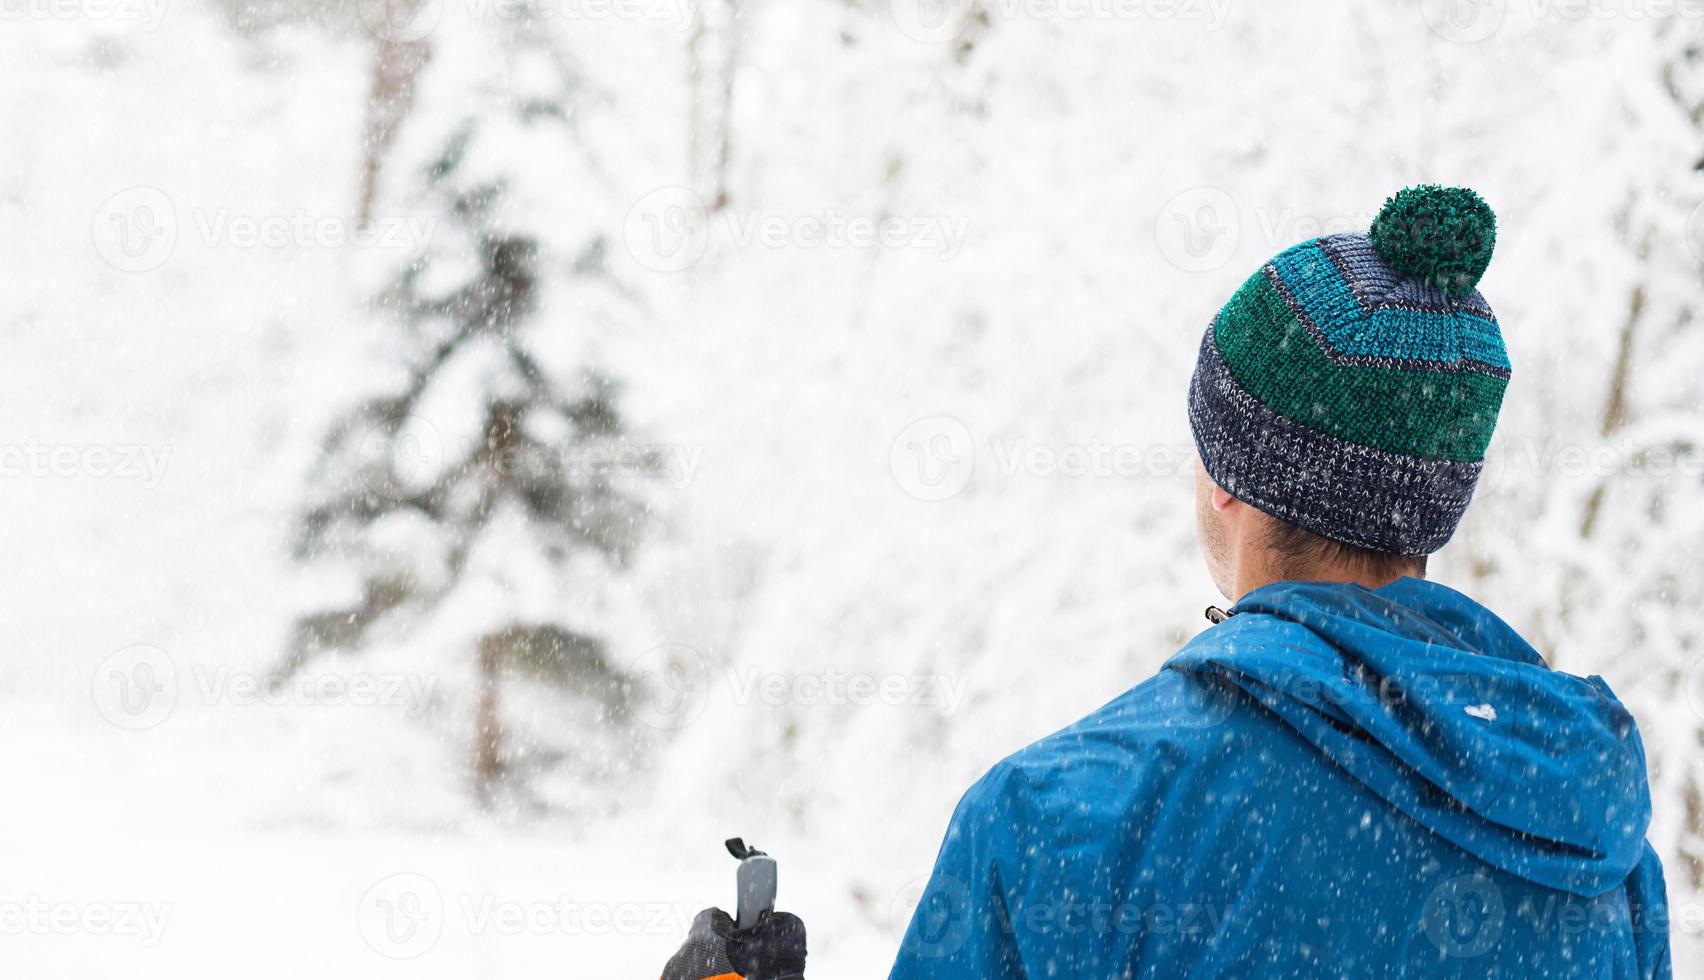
1252	575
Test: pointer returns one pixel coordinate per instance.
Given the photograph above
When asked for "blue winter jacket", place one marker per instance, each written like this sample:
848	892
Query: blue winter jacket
1334	782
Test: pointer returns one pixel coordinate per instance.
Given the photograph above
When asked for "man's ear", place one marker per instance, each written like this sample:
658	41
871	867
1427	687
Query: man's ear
1221	500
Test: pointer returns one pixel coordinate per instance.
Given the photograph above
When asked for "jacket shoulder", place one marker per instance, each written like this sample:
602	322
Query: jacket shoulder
1128	753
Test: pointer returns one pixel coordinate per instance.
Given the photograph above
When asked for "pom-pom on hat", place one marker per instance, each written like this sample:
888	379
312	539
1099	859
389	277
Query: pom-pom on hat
1351	385
1442	236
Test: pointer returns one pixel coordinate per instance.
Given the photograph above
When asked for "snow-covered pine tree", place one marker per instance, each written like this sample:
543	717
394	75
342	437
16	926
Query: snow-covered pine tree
478	497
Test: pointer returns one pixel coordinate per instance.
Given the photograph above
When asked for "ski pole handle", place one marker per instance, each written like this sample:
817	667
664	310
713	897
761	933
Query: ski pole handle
755	883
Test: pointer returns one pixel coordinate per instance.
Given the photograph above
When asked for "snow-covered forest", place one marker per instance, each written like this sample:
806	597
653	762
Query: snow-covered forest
469	457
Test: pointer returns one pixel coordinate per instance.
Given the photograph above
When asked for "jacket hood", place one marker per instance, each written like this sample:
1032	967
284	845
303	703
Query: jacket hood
1442	710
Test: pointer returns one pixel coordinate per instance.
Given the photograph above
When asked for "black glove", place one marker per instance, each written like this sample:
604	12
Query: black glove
773	949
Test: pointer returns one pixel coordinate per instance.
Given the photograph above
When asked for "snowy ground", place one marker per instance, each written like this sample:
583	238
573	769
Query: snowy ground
113	898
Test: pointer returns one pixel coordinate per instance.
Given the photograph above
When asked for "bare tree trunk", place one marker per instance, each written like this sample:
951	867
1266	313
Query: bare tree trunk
1615	403
488	725
725	131
1612	418
710	138
695	90
396	67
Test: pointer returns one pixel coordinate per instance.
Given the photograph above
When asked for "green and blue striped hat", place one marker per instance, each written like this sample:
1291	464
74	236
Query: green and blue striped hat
1351	385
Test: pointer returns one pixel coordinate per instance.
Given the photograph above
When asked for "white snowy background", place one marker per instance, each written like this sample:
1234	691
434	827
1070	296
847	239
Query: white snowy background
935	500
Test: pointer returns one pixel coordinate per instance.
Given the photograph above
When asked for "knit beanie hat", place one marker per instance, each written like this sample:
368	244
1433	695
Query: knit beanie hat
1350	387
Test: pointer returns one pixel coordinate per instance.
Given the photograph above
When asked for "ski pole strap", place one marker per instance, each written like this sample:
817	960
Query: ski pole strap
737	847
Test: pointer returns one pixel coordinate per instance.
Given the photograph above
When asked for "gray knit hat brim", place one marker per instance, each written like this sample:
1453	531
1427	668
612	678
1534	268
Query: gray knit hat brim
1360	496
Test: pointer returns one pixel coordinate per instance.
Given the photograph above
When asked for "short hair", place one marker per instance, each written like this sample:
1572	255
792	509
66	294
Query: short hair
1307	549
